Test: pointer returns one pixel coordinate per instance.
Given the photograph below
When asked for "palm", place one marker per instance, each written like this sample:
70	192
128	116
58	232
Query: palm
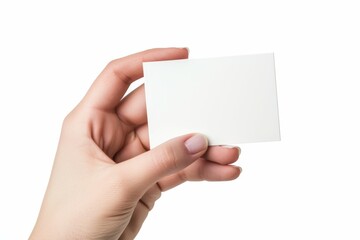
114	133
117	138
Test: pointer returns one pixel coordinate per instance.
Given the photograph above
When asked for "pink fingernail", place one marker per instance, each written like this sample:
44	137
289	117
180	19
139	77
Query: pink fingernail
196	143
188	49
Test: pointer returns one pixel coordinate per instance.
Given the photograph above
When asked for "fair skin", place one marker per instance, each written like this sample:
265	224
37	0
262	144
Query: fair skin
105	179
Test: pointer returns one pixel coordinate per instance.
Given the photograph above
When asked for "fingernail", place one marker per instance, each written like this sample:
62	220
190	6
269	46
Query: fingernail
239	149
239	168
188	49
196	143
229	146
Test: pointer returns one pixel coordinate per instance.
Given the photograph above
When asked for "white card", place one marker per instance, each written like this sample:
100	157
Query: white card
231	100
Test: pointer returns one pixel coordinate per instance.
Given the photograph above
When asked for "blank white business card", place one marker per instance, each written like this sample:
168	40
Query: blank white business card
231	100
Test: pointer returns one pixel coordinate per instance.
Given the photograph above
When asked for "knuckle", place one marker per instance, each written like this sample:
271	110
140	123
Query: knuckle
68	119
117	67
154	195
150	197
183	176
73	116
112	63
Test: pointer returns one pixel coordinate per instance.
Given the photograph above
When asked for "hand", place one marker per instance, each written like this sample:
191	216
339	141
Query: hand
105	179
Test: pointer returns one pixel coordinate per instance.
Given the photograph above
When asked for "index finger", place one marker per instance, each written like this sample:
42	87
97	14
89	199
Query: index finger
112	83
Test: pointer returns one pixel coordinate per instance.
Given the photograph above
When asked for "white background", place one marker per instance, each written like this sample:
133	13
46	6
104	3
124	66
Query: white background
305	187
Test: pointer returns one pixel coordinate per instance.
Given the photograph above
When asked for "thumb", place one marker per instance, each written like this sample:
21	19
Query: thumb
146	169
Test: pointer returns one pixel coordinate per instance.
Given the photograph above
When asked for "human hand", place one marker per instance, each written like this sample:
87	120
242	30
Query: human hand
105	179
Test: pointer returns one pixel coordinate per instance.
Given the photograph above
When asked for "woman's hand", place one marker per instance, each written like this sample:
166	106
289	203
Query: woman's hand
105	179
